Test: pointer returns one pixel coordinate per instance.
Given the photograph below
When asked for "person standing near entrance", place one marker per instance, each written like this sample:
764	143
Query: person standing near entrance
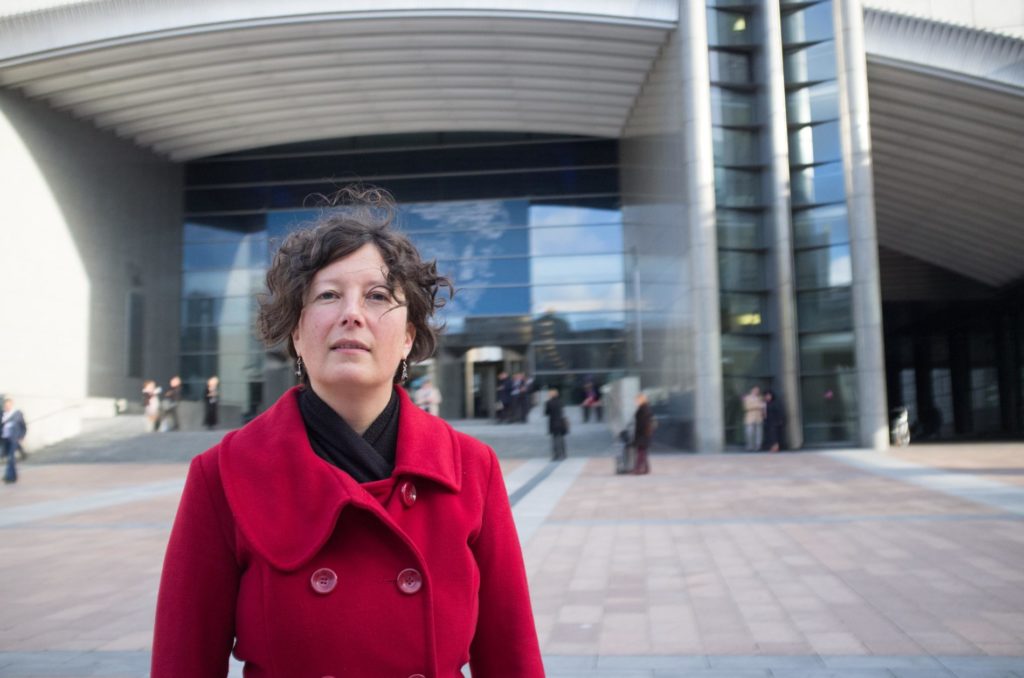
774	420
558	426
753	418
12	431
643	431
210	400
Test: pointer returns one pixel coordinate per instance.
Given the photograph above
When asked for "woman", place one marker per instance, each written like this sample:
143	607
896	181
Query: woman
774	420
151	404
210	401
345	531
643	430
558	425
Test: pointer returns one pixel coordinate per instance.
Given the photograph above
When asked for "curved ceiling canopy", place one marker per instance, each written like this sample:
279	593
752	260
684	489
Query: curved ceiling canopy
204	78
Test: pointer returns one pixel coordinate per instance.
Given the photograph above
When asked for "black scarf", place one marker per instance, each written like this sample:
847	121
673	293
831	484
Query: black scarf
366	458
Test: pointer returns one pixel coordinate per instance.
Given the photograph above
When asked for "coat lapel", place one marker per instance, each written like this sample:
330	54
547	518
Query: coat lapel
286	500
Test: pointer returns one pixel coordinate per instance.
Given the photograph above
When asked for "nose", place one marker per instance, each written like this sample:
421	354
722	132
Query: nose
352	312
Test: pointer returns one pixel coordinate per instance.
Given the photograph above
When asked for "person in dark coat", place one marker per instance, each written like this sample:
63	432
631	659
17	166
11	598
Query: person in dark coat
12	430
774	421
345	531
643	431
557	425
210	401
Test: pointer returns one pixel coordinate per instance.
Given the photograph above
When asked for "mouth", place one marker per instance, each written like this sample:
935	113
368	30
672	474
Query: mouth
349	345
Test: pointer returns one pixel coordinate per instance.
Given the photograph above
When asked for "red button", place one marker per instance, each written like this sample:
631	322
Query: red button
408	492
324	580
410	581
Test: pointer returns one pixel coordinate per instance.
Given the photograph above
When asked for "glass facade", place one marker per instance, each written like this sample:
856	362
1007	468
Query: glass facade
529	228
736	79
822	264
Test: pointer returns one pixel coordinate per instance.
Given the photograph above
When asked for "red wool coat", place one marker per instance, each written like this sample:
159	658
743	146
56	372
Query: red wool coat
318	576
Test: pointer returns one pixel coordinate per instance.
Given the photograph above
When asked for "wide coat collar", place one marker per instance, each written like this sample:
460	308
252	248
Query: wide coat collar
286	500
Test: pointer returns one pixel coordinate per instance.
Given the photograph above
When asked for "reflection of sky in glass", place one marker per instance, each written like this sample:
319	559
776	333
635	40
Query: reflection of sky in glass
576	298
568	215
581	269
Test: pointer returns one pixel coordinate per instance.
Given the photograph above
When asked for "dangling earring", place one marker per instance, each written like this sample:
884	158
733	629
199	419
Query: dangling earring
405	372
298	367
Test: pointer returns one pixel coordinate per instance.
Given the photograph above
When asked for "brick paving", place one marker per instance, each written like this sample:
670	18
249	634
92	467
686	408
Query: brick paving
786	565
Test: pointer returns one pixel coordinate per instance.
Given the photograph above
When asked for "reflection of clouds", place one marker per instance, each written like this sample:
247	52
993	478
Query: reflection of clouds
839	268
562	215
578	298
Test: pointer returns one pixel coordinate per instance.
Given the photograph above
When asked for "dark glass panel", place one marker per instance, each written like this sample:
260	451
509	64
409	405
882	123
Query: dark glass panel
818	185
744	313
737	188
820	226
827	353
815	144
199	367
815	103
730	28
824	267
731	67
200	309
810	64
744	355
735	146
738	228
830	406
741	270
551	356
824	310
730	107
811	24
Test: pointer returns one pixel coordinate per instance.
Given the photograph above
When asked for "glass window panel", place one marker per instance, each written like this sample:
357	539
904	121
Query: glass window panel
738	228
572	215
200	309
826	353
600	356
582	269
468	244
735	146
729	107
199	367
578	298
830	406
808	25
820	184
824	310
731	67
814	103
743	312
817	62
824	267
744	355
237	282
741	270
582	239
820	226
249	252
737	188
482	272
815	144
491	301
730	28
233	228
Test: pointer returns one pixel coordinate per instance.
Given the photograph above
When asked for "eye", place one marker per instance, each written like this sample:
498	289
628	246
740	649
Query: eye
378	295
326	295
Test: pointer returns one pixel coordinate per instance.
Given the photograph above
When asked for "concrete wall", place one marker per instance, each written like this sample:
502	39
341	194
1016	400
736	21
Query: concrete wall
87	218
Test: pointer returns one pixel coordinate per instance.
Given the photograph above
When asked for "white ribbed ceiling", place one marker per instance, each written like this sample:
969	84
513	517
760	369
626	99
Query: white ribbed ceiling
947	131
194	89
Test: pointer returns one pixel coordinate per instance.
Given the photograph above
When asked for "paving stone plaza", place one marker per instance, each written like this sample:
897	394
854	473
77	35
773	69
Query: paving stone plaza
847	564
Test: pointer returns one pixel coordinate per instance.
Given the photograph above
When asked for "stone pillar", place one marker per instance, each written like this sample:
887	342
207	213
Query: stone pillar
779	228
860	196
699	201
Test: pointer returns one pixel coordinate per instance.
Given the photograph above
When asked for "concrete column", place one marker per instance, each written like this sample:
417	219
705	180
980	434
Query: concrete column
779	227
860	197
699	200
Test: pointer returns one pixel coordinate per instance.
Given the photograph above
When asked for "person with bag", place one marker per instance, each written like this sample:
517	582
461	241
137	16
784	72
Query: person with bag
643	431
558	424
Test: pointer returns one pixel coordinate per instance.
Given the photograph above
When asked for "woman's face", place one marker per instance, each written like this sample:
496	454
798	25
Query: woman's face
353	331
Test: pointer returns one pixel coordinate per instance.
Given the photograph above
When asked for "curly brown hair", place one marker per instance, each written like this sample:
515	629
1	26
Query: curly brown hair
366	216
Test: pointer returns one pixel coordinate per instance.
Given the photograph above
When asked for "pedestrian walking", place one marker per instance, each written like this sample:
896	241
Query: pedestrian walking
428	397
169	405
753	418
558	425
345	531
211	401
151	404
12	431
643	431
